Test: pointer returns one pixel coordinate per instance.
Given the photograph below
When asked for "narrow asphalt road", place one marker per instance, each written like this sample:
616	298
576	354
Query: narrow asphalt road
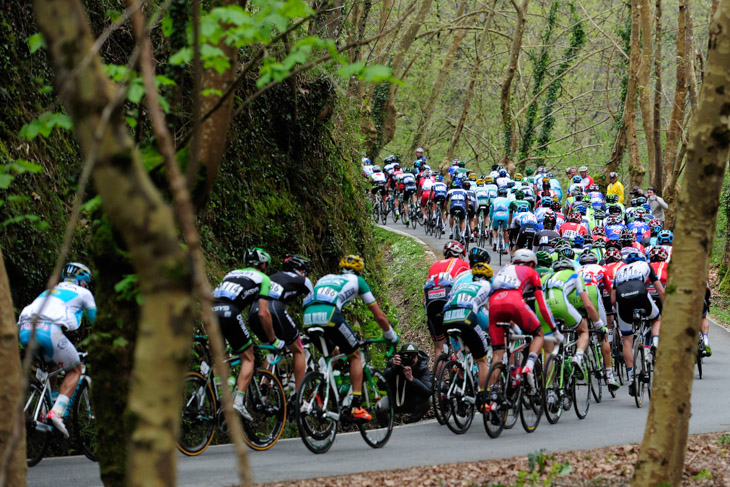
612	422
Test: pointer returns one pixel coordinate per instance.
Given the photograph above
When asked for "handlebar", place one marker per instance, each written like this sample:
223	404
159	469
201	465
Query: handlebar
374	341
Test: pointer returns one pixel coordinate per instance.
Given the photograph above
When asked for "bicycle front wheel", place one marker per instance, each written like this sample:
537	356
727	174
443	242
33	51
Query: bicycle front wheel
458	397
376	399
581	390
266	402
85	421
37	434
440	405
495	419
700	354
198	423
594	367
531	404
639	382
316	407
553	401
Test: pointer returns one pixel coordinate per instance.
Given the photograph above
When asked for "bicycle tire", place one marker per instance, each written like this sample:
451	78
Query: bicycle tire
494	420
581	386
376	212
532	401
84	420
36	440
700	355
383	212
595	370
198	417
316	428
553	406
639	370
440	407
439	225
377	431
460	414
265	400
617	357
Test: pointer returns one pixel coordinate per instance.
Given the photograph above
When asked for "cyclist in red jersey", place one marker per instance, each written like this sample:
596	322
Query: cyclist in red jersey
573	226
658	261
441	277
507	304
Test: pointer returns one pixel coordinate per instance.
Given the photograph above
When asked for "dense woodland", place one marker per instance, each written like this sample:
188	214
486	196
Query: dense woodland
155	141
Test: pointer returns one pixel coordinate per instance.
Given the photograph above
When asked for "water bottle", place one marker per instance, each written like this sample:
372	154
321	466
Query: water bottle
231	382
516	373
217	382
338	378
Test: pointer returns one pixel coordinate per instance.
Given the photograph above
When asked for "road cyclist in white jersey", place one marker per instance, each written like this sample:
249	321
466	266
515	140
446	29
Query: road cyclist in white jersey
323	309
53	312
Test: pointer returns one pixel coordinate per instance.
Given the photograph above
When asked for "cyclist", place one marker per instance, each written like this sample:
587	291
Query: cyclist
378	181
407	187
573	226
458	202
464	304
483	198
238	290
705	326
438	284
510	286
630	293
499	216
420	158
323	308
439	193
665	239
544	237
286	286
628	242
53	312
471	209
367	167
424	189
585	180
658	261
503	179
523	229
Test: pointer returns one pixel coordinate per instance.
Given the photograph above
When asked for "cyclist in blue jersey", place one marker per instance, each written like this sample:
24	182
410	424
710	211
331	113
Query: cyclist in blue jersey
458	202
499	215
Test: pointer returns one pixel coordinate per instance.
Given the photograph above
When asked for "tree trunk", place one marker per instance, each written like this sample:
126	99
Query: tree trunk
661	457
645	98
10	388
475	70
148	228
619	145
510	139
421	134
636	168
676	121
658	174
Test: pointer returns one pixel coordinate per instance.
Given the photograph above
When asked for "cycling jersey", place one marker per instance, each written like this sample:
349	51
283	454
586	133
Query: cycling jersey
457	199
65	306
408	183
439	191
515	205
377	178
521	220
492	189
464	304
572	229
441	277
502	182
337	290
560	288
243	287
543	239
483	197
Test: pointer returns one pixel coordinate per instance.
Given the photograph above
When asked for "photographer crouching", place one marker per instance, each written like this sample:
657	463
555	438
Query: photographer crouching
409	378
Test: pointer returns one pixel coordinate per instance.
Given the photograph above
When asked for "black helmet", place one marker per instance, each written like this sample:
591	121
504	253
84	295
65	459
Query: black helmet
294	263
478	254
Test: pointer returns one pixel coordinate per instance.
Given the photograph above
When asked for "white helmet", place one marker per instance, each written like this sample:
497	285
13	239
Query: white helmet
524	256
420	149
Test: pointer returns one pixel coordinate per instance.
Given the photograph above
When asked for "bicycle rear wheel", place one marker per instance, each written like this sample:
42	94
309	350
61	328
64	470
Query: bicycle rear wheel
700	354
440	405
316	425
439	225
553	401
595	369
497	398
198	422
639	382
36	440
458	397
617	357
376	432
581	384
85	421
383	212
266	402
531	403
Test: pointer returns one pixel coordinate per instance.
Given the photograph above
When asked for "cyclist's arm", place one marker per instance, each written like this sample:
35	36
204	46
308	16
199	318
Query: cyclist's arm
659	289
379	316
590	309
544	309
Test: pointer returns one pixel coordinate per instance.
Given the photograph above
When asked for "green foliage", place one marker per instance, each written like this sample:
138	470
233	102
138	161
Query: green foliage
538	475
128	289
44	125
724	440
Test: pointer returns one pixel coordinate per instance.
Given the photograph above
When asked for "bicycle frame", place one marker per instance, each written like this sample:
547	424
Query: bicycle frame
44	378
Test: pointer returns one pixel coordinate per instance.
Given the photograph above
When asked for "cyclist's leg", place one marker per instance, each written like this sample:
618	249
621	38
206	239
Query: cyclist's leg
435	321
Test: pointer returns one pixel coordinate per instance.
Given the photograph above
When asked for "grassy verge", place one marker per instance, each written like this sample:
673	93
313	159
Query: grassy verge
406	266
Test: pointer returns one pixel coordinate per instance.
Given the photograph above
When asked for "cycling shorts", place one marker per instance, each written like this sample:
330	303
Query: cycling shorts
440	196
457	211
526	236
632	295
336	330
284	326
424	197
53	344
407	193
505	306
434	301
466	321
379	188
232	326
497	218
472	209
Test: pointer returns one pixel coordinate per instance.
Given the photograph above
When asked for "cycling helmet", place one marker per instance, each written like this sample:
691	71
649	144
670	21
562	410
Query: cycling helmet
613	255
294	263
588	258
632	257
577	179
426	173
665	237
502	192
352	264
555	206
567	252
658	254
76	273
480	182
612	175
255	256
454	248
396	167
560	244
456	183
466	185
439	178
549	175
455	162
510	184
548	220
420	149
472	176
575	217
614	210
502	173
583	169
522	209
529	171
518	177
612	198
564	263
640	213
519	194
599	231
366	161
599	244
627	235
546	202
524	256
488	180
461	164
593	187
577	191
478	254
482	270
579	241
544	259
599	214
377	169
656	223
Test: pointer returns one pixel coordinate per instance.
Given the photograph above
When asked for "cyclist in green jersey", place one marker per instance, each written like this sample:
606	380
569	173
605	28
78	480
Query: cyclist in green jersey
544	263
323	308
